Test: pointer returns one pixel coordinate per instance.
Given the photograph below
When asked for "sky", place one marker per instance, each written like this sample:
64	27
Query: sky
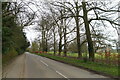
31	34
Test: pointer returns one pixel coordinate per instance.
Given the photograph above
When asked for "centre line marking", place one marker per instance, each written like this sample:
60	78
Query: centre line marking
62	75
44	63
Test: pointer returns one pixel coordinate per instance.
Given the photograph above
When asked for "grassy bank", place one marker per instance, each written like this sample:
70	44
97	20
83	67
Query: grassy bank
102	68
9	56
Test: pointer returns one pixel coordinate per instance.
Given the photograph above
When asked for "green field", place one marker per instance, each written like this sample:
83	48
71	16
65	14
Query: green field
97	55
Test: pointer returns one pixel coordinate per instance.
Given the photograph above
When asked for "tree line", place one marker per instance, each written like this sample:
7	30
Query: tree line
14	41
84	23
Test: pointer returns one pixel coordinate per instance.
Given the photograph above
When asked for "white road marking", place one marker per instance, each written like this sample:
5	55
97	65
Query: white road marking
44	63
62	75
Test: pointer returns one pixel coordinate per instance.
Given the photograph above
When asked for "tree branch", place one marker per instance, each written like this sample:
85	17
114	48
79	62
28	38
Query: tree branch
112	22
103	9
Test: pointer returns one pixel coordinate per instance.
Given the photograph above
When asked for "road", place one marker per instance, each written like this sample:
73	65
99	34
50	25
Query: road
33	66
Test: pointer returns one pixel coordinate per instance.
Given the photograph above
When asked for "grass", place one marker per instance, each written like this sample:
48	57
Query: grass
106	69
97	56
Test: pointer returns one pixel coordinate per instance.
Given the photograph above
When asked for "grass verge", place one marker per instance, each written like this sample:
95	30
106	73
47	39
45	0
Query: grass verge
106	70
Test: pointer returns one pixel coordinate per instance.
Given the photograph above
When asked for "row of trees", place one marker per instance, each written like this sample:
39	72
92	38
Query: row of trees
13	38
63	23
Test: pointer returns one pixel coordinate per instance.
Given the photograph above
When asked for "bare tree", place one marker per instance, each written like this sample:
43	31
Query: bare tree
86	8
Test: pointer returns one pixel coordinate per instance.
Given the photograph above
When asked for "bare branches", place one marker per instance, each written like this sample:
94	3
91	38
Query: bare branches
112	22
98	8
63	19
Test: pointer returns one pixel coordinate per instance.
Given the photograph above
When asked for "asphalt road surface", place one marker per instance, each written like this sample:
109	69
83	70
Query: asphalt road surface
33	66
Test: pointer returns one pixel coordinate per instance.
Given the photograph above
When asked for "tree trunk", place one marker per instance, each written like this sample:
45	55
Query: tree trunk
43	39
46	46
88	35
60	35
65	44
78	33
60	47
54	43
60	42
